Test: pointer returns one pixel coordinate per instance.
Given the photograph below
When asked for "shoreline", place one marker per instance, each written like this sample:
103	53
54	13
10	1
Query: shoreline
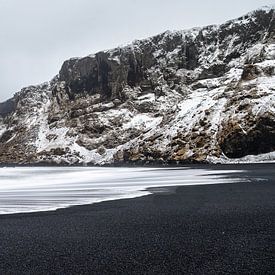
152	190
72	207
196	229
137	165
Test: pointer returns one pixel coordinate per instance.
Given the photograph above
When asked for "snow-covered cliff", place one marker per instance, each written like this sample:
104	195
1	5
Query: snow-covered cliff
205	94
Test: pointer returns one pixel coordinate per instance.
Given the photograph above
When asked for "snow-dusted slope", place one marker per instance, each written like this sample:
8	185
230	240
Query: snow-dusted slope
205	94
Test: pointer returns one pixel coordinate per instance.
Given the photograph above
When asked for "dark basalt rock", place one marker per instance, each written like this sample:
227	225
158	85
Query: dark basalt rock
102	74
259	140
107	73
7	107
252	31
251	72
215	70
85	75
6	136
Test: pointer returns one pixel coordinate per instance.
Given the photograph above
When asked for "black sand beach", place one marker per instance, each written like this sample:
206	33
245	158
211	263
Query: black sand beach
210	229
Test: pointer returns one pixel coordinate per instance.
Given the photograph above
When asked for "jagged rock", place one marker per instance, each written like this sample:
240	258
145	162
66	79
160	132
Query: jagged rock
189	96
101	150
259	139
7	107
6	136
251	72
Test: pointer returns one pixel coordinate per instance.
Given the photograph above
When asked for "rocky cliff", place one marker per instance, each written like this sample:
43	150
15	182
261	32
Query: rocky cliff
200	95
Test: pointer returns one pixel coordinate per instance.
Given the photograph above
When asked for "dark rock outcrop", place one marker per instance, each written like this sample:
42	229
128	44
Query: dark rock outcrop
7	107
205	94
259	139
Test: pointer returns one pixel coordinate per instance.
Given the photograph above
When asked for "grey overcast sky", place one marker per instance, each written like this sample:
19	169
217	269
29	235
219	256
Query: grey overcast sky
36	36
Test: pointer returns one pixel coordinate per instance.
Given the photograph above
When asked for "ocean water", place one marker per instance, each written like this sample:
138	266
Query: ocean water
32	189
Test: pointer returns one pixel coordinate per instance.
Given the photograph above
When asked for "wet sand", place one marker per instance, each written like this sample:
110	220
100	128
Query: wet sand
210	229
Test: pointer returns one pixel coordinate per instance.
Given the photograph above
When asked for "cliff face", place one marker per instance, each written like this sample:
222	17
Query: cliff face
206	94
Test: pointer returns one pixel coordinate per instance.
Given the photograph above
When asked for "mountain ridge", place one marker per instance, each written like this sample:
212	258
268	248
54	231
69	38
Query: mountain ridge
170	98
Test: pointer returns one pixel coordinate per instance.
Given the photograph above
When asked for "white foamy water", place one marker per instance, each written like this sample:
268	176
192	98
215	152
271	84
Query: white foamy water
50	188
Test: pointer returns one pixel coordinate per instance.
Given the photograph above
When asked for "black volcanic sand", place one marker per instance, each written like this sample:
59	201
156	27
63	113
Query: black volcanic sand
210	229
